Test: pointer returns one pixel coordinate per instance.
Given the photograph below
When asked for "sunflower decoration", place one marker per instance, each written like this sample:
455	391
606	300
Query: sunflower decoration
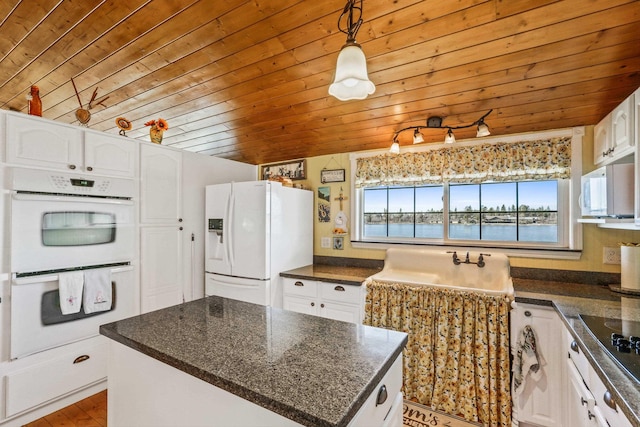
157	129
124	125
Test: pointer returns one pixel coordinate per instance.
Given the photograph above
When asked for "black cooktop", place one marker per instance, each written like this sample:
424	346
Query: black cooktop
620	342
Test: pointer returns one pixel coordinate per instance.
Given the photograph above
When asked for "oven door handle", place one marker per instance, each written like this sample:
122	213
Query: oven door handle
55	198
28	280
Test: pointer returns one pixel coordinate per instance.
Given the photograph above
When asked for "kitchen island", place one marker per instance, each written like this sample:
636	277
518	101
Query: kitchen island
218	361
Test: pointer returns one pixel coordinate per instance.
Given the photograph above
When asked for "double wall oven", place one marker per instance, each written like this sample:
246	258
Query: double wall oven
63	223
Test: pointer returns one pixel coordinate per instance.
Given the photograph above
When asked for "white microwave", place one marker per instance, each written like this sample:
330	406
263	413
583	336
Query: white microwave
608	191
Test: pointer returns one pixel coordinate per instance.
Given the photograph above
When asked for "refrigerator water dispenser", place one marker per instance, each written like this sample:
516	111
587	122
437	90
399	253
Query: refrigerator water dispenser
216	237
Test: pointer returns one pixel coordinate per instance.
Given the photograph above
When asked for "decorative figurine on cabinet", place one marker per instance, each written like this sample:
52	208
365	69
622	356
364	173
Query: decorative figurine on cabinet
34	104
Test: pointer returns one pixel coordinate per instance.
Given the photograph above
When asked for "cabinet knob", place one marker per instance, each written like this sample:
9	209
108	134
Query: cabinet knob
299	283
72	167
181	228
321	305
382	395
339	288
574	347
313	304
179	219
89	168
527	313
609	400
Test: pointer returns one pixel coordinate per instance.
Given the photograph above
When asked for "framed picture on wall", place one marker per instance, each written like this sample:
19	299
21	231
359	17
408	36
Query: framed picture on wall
294	170
331	175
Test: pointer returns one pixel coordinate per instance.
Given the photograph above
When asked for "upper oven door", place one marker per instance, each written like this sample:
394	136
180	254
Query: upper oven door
51	232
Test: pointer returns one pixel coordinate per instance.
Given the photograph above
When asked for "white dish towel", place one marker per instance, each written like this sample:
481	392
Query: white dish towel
70	286
97	290
528	360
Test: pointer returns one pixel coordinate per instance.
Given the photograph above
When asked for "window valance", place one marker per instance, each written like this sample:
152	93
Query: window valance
503	161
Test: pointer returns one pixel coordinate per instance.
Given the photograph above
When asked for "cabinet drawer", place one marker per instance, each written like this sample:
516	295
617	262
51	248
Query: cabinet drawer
49	380
608	407
305	288
576	355
340	293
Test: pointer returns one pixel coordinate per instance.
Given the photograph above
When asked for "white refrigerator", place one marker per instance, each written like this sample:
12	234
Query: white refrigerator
255	230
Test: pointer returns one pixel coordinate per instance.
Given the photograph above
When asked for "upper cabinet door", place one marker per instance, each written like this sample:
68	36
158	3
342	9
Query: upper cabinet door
613	137
160	184
602	140
109	154
37	142
621	128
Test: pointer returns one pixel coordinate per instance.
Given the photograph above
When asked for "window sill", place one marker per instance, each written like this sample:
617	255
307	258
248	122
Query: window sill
547	253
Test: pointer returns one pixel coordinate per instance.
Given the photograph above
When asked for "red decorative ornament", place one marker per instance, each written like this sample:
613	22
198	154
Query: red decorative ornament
35	104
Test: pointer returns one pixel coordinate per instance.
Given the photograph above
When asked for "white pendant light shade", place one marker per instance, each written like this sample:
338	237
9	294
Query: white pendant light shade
351	80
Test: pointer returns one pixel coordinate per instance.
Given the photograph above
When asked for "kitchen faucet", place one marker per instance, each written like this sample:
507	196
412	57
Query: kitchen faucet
456	261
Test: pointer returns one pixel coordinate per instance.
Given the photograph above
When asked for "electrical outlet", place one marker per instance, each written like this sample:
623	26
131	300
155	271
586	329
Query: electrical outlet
325	242
611	255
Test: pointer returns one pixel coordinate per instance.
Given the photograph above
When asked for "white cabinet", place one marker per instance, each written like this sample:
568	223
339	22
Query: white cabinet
389	412
541	402
589	402
111	155
605	405
614	136
580	401
172	223
43	378
602	140
331	300
40	142
160	185
160	267
43	143
160	227
165	396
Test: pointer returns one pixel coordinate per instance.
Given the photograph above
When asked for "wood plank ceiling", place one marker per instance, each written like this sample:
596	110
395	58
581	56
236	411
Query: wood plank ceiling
248	80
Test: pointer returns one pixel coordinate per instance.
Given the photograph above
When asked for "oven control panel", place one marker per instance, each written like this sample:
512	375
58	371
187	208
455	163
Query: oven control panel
43	181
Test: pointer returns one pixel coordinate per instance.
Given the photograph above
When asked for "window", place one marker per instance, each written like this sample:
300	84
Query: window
497	212
508	192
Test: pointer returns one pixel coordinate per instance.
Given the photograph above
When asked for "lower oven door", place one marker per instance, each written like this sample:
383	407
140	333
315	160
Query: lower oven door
50	232
37	322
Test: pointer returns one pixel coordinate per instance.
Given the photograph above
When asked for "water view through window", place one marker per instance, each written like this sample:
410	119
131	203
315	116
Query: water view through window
505	211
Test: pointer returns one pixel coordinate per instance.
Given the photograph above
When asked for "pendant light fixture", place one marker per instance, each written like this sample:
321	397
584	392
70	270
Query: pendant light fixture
351	80
435	122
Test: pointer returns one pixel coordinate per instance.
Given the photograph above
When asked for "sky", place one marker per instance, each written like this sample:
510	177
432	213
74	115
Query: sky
535	194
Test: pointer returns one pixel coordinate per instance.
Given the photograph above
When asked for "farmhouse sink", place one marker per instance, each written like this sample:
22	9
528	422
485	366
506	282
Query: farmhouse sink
489	273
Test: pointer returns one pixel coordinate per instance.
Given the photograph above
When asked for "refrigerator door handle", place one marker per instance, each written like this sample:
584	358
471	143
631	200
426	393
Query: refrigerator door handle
229	240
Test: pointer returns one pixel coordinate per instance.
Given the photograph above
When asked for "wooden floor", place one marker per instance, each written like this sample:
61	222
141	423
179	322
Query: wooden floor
90	412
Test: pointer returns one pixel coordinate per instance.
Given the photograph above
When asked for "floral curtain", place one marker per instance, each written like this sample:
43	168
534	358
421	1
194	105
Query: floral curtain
527	160
457	356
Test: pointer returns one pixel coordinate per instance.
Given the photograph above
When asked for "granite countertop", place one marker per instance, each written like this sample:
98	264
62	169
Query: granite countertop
331	273
281	360
569	300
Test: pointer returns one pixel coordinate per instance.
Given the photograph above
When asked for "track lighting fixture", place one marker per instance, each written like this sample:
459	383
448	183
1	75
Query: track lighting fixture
351	81
435	122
